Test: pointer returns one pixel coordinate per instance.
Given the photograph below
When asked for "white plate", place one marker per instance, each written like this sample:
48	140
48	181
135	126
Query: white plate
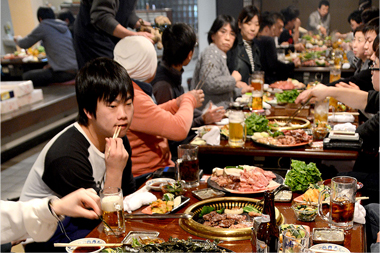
272	102
222	122
71	249
154	184
330	247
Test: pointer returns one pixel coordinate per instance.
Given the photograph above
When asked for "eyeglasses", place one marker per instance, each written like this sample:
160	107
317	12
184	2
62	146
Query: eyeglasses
372	67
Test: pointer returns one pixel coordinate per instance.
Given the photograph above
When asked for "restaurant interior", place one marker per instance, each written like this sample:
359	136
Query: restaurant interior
28	128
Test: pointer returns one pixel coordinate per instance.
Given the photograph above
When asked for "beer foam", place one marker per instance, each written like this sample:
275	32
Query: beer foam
108	203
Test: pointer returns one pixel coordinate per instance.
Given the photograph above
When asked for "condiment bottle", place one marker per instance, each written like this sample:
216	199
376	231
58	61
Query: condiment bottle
255	228
266	241
268	234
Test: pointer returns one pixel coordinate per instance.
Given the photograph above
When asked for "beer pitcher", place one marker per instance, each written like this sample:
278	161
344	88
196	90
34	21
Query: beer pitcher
237	128
342	202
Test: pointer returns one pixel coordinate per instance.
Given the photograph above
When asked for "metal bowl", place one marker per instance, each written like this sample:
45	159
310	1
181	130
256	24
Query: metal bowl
226	234
296	123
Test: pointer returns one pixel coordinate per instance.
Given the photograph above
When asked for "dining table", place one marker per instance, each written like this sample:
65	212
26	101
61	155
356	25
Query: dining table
354	239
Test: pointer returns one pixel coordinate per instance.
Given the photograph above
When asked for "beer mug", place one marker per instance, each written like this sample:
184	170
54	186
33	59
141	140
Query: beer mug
187	165
237	128
342	202
321	111
256	80
111	199
335	73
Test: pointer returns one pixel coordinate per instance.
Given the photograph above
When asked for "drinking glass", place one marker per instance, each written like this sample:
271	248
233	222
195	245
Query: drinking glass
342	202
281	54
111	199
187	165
256	80
321	111
237	128
291	244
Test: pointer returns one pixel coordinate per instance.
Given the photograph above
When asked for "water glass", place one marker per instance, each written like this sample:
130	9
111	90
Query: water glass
111	199
321	111
290	244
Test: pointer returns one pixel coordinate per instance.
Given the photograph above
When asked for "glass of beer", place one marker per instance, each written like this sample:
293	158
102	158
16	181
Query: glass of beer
187	165
111	199
321	111
237	129
256	80
342	202
335	73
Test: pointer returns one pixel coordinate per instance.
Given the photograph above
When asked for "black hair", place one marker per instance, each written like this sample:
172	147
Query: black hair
364	4
266	20
355	16
369	14
360	28
276	16
101	79
375	46
219	22
248	13
45	13
323	2
290	13
372	25
66	14
178	40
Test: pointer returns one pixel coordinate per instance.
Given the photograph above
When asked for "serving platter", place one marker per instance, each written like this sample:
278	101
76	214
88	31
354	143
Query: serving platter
193	227
283	146
184	201
296	123
277	181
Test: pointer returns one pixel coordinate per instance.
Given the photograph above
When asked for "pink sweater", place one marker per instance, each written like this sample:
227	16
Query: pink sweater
152	125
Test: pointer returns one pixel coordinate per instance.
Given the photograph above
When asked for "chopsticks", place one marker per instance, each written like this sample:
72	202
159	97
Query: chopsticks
296	112
344	113
115	135
203	78
87	244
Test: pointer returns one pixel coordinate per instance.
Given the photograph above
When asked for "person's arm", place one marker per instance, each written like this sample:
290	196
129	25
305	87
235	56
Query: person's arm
296	30
343	95
36	218
313	22
162	91
30	39
362	79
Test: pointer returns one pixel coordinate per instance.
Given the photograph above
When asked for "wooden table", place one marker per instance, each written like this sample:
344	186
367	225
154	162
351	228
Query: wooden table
13	69
355	238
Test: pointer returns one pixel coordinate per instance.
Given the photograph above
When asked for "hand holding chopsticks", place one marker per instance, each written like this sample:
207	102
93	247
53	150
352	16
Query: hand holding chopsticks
115	135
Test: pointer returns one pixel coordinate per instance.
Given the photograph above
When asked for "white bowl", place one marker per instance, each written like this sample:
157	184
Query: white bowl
71	249
155	184
330	246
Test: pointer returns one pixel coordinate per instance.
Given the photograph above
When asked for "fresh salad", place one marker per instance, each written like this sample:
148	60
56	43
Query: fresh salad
301	175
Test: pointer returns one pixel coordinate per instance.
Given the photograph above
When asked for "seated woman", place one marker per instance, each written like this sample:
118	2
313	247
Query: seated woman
219	86
152	124
244	57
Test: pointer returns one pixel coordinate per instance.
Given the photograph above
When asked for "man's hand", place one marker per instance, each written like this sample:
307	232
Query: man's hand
213	115
147	35
79	204
296	61
116	156
297	23
244	87
323	30
317	94
199	96
351	85
235	74
299	47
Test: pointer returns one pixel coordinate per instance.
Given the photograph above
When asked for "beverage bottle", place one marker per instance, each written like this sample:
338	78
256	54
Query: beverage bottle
255	228
268	233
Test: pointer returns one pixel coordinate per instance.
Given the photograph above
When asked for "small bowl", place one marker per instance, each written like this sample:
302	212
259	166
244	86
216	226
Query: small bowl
174	188
70	249
305	212
155	184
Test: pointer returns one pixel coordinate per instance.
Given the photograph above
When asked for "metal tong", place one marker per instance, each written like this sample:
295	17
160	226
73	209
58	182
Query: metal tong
203	78
275	191
296	112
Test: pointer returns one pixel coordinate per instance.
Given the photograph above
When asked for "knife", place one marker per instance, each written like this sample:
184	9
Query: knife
159	216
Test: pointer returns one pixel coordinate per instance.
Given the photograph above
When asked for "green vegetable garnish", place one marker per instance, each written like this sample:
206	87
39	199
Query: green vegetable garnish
206	210
220	211
135	243
256	123
288	96
234	167
301	175
250	208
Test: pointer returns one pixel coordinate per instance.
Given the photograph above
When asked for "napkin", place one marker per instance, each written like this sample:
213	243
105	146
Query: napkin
137	199
345	127
213	136
342	118
359	213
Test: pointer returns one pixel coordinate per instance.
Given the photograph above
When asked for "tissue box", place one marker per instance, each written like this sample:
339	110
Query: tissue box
20	88
30	98
9	105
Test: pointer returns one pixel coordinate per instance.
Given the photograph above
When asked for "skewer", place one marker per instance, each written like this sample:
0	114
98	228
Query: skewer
115	135
203	78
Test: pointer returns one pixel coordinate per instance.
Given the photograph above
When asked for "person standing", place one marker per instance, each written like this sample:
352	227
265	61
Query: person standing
57	40
100	24
319	20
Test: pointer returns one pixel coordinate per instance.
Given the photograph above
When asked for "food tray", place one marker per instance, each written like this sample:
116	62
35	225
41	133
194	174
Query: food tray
207	193
226	234
297	122
283	196
328	235
139	234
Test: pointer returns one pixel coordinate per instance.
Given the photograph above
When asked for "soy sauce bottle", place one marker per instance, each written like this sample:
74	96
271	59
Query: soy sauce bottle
268	233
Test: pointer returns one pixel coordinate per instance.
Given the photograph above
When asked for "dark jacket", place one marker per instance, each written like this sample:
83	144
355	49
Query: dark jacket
237	59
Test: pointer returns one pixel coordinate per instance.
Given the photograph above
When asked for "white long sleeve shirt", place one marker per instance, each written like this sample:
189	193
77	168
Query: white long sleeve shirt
20	220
